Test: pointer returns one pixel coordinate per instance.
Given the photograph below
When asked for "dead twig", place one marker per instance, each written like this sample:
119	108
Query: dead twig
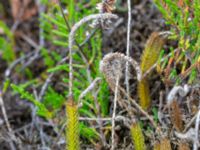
196	140
141	110
182	91
88	89
13	137
114	113
190	123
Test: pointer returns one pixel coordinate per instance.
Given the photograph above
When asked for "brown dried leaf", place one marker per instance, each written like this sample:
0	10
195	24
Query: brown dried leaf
156	146
165	144
183	146
176	116
23	9
15	6
106	6
180	3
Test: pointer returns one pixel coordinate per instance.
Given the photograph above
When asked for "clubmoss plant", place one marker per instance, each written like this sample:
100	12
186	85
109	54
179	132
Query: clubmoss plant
56	31
72	127
150	56
137	137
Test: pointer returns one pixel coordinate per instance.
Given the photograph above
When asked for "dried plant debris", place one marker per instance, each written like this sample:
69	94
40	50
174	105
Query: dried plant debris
113	65
176	116
23	9
183	146
164	144
177	90
106	6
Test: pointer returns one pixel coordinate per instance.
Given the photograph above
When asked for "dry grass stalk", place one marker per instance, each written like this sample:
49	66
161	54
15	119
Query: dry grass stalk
196	138
128	47
10	131
114	112
93	85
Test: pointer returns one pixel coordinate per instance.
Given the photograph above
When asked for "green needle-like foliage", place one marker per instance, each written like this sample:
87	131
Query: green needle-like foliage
183	16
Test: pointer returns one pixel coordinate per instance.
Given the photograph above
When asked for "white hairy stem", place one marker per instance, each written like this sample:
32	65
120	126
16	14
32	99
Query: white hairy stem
128	46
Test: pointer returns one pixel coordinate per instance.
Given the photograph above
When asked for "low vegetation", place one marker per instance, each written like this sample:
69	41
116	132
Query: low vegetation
80	93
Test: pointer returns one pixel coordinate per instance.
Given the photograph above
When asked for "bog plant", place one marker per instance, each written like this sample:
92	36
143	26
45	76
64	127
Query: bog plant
57	32
149	57
72	128
137	136
184	18
6	43
163	144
